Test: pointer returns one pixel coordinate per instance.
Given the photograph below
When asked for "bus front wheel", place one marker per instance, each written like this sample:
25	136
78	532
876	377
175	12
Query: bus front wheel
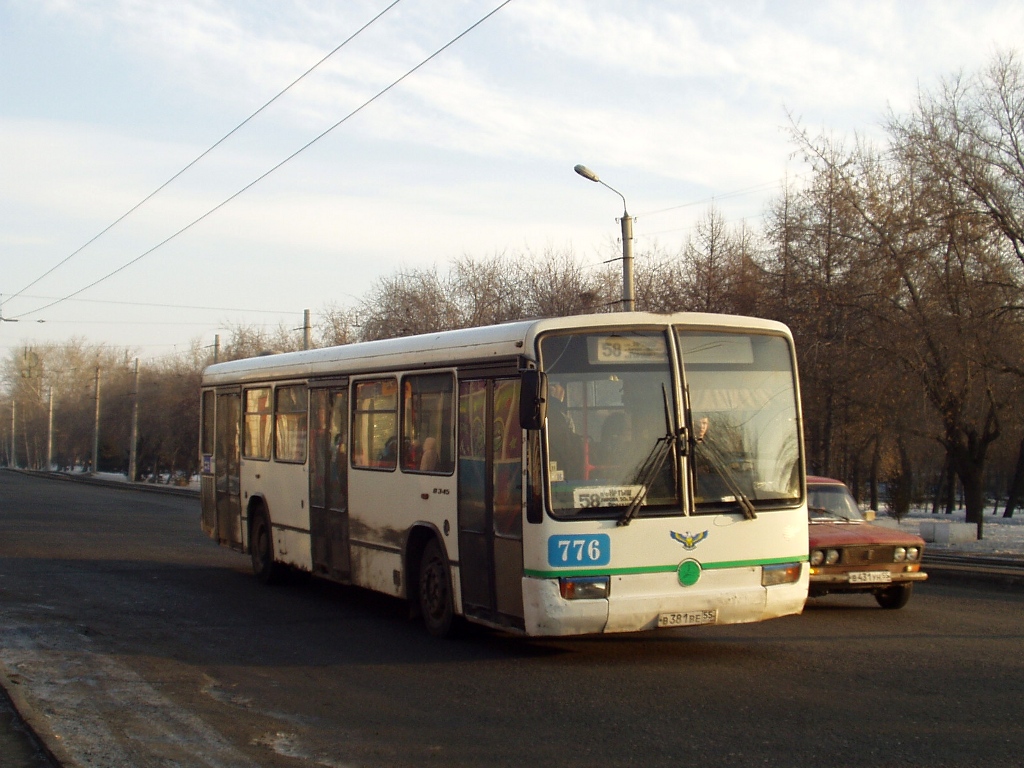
435	591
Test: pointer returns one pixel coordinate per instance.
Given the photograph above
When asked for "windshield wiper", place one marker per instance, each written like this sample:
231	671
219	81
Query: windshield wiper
719	464
651	465
646	474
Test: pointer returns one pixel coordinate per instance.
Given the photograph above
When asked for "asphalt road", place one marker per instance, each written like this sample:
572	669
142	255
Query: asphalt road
129	639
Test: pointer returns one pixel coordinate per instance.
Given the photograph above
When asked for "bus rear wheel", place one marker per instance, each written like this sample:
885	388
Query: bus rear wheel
261	549
435	591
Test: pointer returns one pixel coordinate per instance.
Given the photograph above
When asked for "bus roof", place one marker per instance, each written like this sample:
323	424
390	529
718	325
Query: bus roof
444	348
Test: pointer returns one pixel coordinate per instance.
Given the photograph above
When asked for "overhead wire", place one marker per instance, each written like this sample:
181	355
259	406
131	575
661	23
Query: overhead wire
171	306
763	186
288	159
199	157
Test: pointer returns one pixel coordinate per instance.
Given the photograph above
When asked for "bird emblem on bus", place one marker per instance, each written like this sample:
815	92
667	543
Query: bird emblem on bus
689	540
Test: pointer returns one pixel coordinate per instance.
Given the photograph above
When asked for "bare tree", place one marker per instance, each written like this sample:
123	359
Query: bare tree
939	285
337	325
408	303
558	284
489	290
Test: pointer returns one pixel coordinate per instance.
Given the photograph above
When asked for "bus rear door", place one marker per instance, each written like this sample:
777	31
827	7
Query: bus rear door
328	482
226	469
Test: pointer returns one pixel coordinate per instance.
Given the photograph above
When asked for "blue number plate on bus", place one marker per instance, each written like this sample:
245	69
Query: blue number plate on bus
575	551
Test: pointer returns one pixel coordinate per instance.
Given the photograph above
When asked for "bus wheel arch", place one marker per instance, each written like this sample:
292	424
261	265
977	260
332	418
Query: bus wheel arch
261	543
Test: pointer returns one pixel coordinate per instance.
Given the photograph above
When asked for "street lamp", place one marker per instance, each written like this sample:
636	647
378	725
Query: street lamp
627	240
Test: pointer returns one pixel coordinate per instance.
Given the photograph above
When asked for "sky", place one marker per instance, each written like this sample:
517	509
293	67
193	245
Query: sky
386	157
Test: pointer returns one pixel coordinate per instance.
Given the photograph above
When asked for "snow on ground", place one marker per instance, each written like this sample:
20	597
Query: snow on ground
1001	536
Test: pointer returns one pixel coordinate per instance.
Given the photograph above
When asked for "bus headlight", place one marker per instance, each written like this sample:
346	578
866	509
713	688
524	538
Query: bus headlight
784	573
583	587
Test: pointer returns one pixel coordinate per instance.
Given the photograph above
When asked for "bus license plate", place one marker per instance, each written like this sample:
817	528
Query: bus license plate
870	577
687	618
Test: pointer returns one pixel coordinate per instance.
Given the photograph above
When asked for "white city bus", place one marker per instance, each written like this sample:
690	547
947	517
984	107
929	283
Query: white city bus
598	473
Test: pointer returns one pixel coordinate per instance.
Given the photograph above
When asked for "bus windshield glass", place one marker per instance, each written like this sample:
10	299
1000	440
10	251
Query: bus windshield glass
610	406
743	403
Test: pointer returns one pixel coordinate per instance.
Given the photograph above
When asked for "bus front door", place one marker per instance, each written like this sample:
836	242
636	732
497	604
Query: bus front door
490	500
328	482
227	484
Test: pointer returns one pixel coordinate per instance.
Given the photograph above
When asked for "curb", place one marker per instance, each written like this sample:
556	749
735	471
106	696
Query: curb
124	485
38	726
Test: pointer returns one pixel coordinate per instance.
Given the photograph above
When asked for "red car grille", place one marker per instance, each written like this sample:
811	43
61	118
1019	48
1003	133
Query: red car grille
854	556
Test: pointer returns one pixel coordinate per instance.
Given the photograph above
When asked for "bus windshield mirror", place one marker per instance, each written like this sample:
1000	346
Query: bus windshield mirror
533	396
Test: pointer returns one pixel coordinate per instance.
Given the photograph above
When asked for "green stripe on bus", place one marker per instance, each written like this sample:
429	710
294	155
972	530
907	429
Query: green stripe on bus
659	568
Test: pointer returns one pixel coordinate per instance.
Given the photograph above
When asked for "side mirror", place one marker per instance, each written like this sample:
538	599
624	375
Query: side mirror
533	399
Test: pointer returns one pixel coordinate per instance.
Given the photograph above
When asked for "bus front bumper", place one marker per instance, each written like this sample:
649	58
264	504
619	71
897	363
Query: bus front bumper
638	602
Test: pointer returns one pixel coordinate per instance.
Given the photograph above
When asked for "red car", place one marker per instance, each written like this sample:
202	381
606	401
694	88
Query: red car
848	554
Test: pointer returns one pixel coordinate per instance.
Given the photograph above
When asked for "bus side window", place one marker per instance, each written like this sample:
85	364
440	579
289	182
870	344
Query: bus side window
257	424
290	423
209	426
428	435
375	424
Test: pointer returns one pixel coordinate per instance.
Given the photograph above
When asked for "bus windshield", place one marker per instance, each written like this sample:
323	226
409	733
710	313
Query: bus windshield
610	406
743	402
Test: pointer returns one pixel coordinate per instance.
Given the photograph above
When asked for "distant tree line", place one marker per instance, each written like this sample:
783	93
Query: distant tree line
899	266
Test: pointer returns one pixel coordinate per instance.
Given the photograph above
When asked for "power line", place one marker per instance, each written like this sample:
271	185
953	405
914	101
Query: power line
203	154
168	306
290	157
763	186
125	322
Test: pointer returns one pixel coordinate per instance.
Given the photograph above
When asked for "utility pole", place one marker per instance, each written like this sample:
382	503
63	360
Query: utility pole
216	348
628	292
135	426
14	439
49	436
96	427
305	329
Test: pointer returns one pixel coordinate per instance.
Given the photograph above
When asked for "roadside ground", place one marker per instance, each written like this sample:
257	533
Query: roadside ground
997	558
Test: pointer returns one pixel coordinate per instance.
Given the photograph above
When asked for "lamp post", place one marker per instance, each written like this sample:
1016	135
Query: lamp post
627	240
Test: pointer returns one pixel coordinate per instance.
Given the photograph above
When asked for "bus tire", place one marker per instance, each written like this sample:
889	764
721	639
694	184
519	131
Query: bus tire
896	597
435	591
261	549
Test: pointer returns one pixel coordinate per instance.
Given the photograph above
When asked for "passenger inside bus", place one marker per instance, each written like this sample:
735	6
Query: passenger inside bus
565	446
431	455
607	454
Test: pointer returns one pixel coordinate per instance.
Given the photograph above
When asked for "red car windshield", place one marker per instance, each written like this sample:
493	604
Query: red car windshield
831	502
